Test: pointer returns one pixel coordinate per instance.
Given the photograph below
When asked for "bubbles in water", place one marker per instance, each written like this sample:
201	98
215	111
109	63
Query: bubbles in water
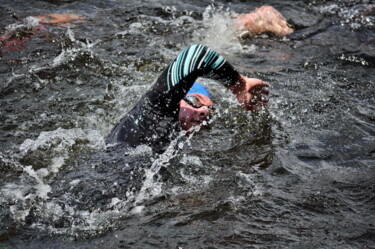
353	58
355	17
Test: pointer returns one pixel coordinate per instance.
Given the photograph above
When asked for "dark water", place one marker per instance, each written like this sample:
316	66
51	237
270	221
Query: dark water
300	174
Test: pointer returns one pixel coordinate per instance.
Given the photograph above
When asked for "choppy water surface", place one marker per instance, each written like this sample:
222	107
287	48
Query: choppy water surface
300	174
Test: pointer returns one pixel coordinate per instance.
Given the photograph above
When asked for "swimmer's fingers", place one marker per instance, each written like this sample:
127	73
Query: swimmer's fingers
258	100
265	90
263	101
250	92
260	93
259	90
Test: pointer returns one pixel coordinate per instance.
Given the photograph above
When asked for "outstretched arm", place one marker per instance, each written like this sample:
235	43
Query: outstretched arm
193	62
200	61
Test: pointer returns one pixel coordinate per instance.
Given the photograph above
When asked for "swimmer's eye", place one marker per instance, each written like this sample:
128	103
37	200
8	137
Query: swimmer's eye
196	102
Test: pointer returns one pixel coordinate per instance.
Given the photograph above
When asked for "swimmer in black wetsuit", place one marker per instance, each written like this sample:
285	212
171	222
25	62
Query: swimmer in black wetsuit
165	108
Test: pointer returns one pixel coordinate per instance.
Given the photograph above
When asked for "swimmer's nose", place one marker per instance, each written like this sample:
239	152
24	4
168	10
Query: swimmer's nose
204	113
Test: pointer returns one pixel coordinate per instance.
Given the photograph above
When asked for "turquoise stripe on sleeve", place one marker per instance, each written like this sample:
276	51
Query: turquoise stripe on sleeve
212	58
201	47
218	62
195	56
208	57
188	59
177	66
181	64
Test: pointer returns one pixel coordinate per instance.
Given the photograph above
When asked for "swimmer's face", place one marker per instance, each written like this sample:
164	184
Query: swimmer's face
194	109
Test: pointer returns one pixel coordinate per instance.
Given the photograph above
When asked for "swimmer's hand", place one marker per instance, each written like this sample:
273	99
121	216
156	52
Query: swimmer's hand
251	93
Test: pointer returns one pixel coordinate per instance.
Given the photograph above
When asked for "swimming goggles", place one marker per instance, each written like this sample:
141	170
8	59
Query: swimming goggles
196	102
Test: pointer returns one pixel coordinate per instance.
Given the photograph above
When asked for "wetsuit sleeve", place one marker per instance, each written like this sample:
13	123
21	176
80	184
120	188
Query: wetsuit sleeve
202	61
193	62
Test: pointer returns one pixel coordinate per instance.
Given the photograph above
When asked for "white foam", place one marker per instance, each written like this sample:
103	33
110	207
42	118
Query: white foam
68	54
355	16
187	177
191	160
61	140
219	31
43	172
137	209
57	163
58	144
152	187
13	191
28	23
42	189
34	184
19	214
141	150
246	181
53	210
114	201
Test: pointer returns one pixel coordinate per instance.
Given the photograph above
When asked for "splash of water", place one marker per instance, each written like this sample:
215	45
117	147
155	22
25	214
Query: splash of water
34	183
219	31
27	23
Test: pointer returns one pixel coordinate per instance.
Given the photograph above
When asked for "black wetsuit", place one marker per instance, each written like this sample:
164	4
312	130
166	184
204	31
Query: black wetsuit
154	119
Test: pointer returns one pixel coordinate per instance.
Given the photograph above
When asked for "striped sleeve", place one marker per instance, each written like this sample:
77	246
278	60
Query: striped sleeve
203	61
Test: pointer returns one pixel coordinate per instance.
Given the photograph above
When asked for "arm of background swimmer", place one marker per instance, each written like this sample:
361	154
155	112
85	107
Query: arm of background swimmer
193	62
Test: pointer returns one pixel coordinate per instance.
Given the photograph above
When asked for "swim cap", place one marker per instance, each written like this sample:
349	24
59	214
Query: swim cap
198	88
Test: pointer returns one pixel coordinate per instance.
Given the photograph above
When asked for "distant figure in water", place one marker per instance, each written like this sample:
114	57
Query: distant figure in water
175	101
264	19
19	34
261	20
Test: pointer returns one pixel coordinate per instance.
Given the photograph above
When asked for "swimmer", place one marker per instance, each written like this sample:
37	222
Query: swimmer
176	102
19	34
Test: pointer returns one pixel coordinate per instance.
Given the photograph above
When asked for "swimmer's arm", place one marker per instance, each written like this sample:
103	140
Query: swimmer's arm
250	92
200	61
194	61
